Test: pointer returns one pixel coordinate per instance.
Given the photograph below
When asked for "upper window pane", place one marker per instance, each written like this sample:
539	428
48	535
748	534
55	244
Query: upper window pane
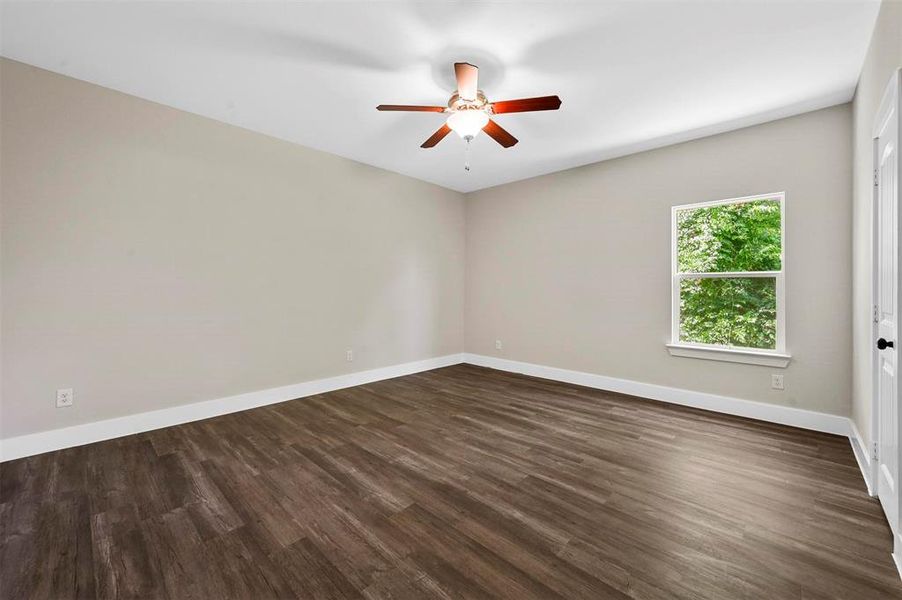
743	236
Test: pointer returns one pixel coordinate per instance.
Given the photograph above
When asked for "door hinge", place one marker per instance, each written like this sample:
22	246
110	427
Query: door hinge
874	452
876	180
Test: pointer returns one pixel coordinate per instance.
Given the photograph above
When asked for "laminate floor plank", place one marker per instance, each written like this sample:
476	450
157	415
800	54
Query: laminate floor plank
456	483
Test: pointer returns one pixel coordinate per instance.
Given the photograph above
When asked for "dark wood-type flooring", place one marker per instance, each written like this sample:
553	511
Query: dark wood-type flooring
457	483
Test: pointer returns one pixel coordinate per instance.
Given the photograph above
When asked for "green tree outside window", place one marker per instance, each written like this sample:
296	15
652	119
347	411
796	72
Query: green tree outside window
743	237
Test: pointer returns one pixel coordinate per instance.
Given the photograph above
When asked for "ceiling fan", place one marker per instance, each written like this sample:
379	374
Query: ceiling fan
470	111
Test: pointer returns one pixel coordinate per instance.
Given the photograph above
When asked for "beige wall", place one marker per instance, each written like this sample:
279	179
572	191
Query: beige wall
152	258
884	55
572	269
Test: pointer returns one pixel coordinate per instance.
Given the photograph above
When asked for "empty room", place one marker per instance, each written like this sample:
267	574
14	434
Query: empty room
450	300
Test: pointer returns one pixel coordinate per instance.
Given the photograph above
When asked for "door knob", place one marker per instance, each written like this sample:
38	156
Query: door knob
882	344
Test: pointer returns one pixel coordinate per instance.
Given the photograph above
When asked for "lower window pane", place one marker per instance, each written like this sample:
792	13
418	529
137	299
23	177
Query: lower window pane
730	311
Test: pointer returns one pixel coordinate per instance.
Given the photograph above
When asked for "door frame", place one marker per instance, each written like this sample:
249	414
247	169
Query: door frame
891	99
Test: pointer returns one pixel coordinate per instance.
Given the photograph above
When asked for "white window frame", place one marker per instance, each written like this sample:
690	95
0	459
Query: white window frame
756	356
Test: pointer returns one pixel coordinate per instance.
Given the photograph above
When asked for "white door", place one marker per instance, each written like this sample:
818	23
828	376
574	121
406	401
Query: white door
886	169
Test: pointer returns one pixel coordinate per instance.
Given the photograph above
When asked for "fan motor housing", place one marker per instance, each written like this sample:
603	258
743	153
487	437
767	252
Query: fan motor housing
457	103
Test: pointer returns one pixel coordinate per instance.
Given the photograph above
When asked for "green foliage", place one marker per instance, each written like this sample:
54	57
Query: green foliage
733	311
729	237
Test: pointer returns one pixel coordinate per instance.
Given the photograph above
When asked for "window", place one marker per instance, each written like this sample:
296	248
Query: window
728	280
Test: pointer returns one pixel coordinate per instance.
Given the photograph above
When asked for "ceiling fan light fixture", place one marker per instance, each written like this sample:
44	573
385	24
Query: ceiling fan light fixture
468	123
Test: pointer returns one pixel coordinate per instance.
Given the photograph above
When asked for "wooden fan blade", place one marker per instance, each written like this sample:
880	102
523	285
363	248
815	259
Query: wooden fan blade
409	108
526	105
467	80
499	134
436	137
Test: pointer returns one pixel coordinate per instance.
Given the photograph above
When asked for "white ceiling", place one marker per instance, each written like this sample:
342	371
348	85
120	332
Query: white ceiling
632	75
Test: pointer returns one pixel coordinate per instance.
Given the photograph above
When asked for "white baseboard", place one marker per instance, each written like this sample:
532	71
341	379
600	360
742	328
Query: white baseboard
863	457
774	413
77	435
87	433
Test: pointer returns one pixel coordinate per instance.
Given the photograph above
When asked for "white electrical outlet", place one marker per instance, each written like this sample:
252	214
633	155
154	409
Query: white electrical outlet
350	355
498	345
776	382
65	398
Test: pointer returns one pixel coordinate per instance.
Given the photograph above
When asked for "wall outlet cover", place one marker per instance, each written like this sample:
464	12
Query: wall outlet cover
65	397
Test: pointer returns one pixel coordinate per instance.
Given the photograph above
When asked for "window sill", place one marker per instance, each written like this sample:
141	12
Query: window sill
749	357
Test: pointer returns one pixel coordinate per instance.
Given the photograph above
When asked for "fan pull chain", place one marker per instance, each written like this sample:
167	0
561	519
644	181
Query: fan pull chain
467	154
